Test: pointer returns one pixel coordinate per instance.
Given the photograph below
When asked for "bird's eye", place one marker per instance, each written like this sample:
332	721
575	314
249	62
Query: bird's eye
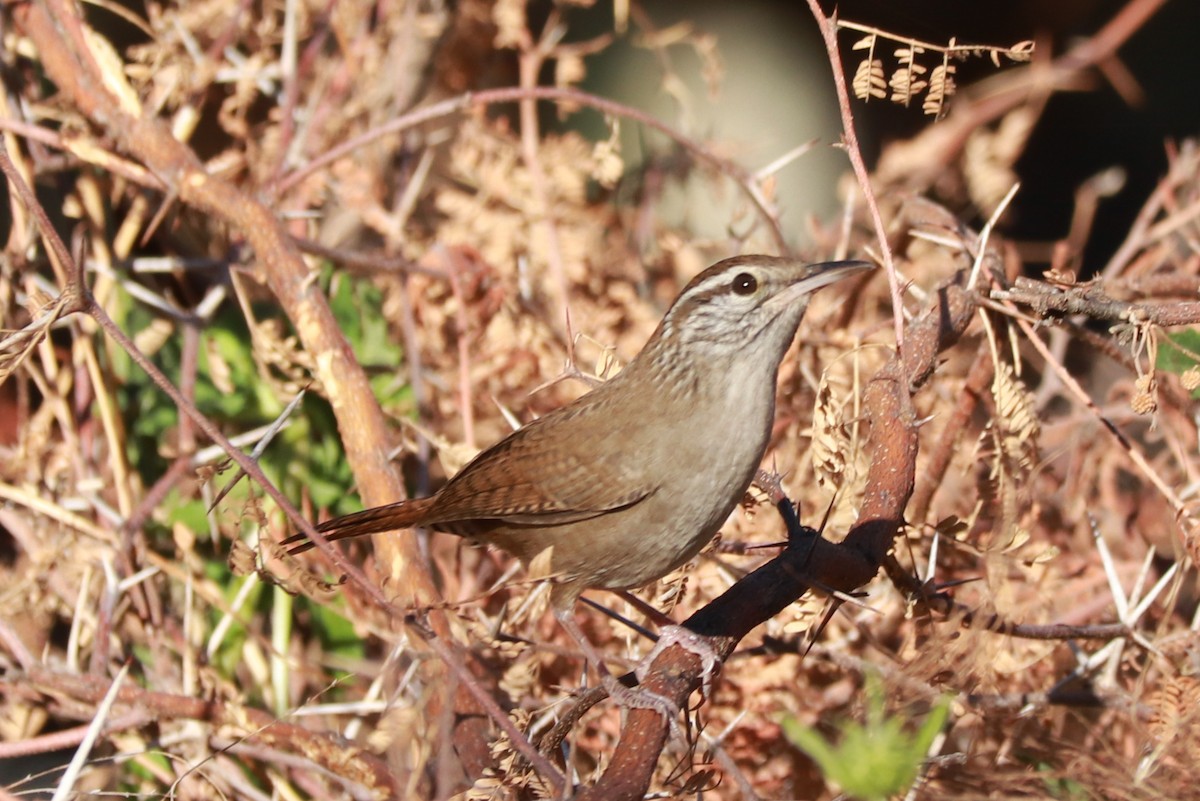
744	284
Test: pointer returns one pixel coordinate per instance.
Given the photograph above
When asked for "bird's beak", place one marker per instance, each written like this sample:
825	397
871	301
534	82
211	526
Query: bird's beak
819	275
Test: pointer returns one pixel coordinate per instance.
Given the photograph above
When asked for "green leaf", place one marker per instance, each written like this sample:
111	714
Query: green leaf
358	308
336	632
193	514
1179	351
875	760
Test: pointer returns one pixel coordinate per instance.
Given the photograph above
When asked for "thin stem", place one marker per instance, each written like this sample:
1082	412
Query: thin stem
241	459
829	29
455	105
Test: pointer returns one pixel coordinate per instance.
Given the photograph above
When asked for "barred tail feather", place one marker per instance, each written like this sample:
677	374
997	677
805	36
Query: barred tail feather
402	514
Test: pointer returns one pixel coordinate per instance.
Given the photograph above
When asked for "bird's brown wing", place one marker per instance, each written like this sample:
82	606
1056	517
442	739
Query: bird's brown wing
520	480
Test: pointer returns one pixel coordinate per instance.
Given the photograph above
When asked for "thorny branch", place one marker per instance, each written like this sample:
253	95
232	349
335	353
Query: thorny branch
57	30
1049	300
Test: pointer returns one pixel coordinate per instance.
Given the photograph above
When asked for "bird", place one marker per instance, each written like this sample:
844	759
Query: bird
632	479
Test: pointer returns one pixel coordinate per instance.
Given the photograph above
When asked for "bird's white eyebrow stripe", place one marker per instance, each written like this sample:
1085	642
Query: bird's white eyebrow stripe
698	297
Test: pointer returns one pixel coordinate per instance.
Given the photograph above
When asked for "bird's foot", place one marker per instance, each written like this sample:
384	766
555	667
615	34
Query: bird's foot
639	698
689	641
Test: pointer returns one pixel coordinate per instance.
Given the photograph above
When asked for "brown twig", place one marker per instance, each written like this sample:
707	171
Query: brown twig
1092	301
366	261
56	30
1135	456
355	766
55	27
456	105
944	605
240	458
466	402
532	57
69	738
72	294
829	31
978	380
940	145
516	737
1157	285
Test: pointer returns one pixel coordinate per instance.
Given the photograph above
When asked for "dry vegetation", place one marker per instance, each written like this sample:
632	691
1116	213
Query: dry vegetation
244	185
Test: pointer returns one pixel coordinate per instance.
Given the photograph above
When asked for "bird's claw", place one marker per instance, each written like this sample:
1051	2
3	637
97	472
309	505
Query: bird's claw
691	642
